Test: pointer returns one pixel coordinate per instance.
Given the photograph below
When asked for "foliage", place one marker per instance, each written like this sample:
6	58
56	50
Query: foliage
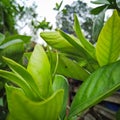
13	47
35	87
58	6
42	25
41	85
101	61
100	11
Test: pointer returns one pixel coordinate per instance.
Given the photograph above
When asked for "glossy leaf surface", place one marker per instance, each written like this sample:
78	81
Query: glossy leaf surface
96	88
76	44
55	40
46	110
39	68
108	45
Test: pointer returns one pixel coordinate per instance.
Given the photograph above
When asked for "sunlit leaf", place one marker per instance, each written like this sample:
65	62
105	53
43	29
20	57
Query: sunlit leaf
55	40
108	45
23	73
19	82
76	44
96	88
39	68
20	107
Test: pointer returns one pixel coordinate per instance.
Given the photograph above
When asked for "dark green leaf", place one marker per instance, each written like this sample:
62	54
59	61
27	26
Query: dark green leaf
97	25
99	9
102	83
68	68
2	37
12	49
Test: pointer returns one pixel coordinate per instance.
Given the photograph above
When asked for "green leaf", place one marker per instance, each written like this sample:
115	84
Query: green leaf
2	37
100	2
23	38
20	107
97	25
19	82
68	68
55	40
39	68
53	61
24	74
12	49
92	63
76	44
87	45
101	84
108	45
99	9
60	82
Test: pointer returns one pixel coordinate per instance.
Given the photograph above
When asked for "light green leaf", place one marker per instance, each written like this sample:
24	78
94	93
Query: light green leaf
19	82
108	45
39	68
20	107
53	62
61	82
102	83
76	44
87	45
83	53
24	74
55	40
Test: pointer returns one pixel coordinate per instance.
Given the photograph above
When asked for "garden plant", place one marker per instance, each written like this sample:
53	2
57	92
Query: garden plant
40	91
